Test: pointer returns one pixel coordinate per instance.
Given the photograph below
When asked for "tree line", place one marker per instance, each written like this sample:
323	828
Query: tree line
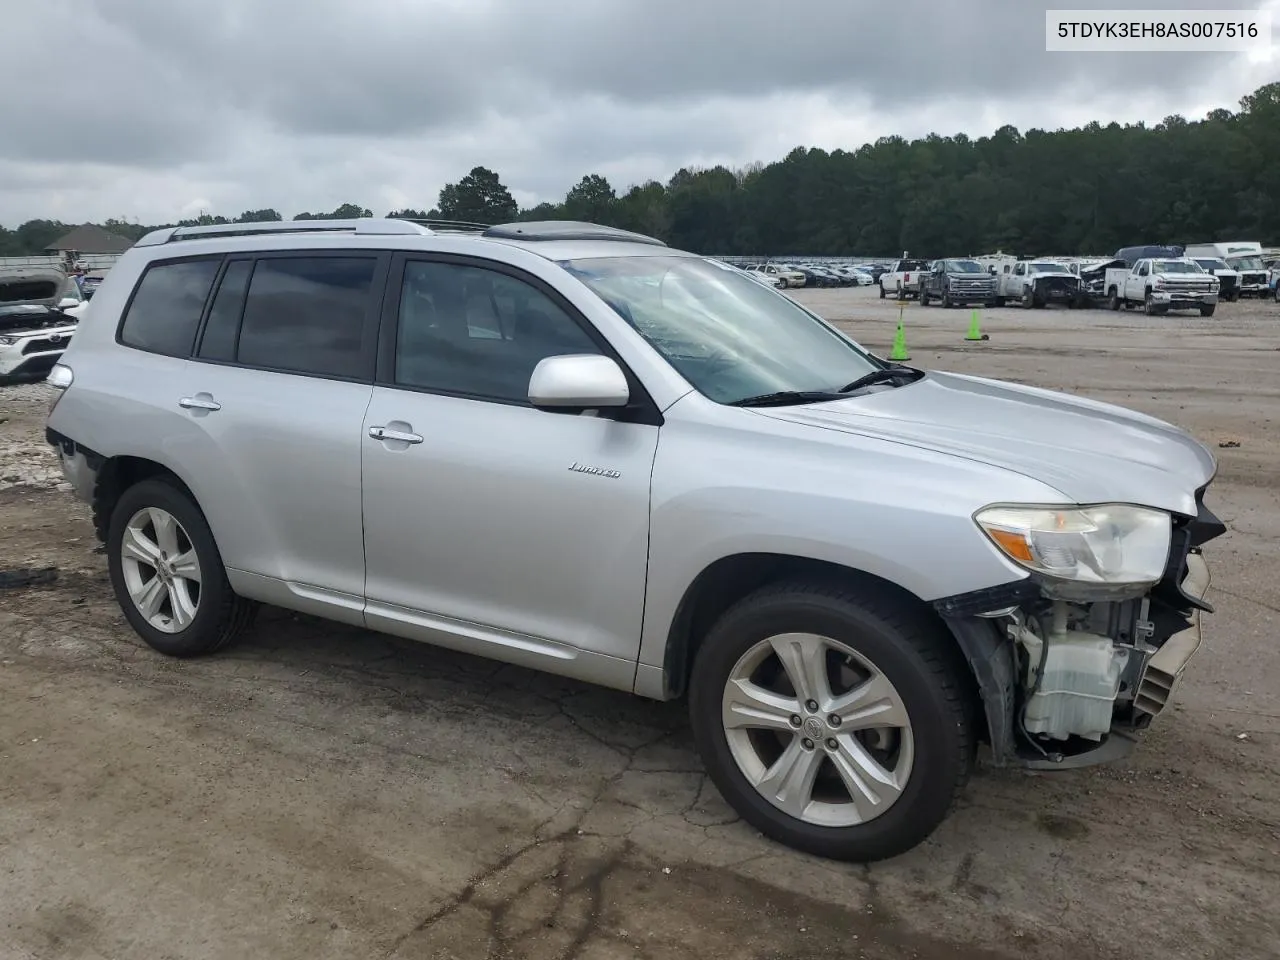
1086	190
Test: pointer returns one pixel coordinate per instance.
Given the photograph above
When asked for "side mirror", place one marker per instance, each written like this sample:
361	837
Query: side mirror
67	302
578	382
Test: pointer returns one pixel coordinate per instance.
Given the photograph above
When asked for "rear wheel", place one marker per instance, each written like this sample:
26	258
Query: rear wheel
834	721
882	294
923	297
167	573
1113	299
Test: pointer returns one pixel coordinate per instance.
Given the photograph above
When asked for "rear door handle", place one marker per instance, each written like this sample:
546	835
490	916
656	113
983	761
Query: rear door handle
385	433
204	402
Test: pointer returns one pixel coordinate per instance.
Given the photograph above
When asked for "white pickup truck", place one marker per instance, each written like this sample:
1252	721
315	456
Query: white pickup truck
1161	285
903	279
1036	283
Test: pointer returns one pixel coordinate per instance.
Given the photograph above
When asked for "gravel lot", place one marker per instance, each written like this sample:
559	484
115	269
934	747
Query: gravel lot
321	792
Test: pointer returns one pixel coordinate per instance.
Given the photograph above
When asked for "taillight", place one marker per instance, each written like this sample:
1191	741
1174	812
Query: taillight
60	378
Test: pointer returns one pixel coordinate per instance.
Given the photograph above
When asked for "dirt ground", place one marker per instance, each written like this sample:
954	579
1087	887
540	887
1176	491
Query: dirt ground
322	792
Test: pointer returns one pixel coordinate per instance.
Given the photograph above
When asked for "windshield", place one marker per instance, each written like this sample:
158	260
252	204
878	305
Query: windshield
729	337
1175	266
964	266
1247	263
1048	268
1213	264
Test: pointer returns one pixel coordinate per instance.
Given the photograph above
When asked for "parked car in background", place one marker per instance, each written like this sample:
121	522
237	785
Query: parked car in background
902	279
1228	277
38	317
786	276
1036	284
658	477
956	283
1162	284
1244	256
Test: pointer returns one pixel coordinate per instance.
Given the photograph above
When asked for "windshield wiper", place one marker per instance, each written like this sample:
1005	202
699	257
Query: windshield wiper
895	375
786	397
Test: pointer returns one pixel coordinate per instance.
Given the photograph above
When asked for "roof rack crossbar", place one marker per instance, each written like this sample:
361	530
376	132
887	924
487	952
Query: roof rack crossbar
361	225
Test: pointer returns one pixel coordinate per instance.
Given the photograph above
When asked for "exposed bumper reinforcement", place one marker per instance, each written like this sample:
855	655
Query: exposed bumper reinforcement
1165	668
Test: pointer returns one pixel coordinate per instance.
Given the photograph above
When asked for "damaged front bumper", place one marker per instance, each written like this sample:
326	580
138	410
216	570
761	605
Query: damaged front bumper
1140	647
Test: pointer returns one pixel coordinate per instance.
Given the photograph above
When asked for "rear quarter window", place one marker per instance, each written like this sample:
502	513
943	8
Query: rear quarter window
165	310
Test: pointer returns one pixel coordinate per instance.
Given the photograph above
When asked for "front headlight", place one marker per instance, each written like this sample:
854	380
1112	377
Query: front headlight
8	341
1111	544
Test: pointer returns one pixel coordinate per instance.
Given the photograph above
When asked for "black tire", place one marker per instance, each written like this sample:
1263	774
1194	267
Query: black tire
881	286
899	293
1028	300
998	302
923	297
947	303
918	658
1113	300
221	616
1207	309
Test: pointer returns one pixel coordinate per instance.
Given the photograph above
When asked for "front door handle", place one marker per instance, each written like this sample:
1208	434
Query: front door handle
200	402
386	433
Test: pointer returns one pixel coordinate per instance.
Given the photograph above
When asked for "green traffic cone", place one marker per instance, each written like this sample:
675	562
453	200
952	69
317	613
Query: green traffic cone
975	333
899	351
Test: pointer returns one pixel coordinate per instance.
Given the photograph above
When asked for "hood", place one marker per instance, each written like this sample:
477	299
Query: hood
972	276
1091	452
33	285
1052	274
1098	269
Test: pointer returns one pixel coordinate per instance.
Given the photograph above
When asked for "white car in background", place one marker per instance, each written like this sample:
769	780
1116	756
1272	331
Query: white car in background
39	310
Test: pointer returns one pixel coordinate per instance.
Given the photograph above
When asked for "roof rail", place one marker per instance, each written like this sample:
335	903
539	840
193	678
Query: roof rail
565	230
446	224
361	225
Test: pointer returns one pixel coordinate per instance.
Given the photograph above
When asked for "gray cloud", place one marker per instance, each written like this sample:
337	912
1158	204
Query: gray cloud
165	106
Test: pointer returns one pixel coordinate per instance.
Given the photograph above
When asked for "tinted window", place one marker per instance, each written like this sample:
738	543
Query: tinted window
166	307
219	340
307	314
477	332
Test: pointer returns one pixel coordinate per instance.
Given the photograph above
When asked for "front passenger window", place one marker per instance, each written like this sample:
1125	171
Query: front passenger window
475	332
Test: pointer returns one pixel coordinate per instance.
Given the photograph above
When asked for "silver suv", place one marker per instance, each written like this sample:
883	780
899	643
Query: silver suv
570	447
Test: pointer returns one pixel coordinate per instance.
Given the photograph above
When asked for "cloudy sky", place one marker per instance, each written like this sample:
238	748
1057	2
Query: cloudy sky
158	109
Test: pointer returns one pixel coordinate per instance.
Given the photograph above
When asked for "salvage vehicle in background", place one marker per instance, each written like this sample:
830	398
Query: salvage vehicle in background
1036	284
1244	256
1228	278
1092	291
39	310
1163	284
957	283
659	476
902	279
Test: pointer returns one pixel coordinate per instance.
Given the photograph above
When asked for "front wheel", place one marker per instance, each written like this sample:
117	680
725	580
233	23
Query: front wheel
881	291
167	573
1206	309
833	720
947	303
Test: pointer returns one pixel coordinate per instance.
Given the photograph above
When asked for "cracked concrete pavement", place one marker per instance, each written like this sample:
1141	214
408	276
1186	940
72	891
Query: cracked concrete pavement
319	791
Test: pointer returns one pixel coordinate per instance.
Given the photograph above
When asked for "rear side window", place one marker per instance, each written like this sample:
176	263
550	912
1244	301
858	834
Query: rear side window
166	307
307	314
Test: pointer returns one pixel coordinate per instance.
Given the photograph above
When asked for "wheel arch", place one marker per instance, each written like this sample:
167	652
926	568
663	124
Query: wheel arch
117	474
729	579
